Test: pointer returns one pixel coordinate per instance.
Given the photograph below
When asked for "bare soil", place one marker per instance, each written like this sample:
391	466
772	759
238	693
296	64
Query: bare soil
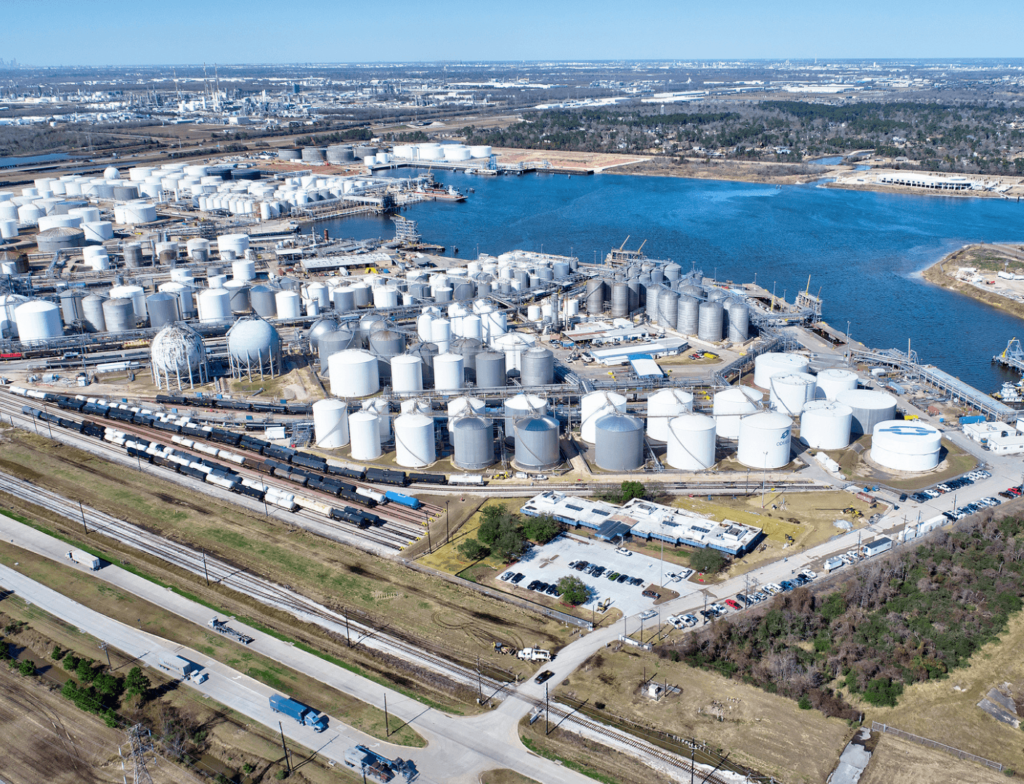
899	760
987	258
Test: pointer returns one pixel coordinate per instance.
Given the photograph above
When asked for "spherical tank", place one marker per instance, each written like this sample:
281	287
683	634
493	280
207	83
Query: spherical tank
214	305
833	381
537	443
490	370
691	442
38	320
407	373
730	406
772	364
163	309
366	324
463	406
906	446
790	391
825	424
253	341
118	315
663	406
414	441
619	444
364	433
92	313
332	343
765	440
597	405
449	372
353	373
473	442
870	407
177	350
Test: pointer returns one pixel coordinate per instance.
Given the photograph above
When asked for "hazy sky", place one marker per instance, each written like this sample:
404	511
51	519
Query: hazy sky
99	32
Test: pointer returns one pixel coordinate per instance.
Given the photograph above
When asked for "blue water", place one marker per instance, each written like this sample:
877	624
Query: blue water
863	250
22	161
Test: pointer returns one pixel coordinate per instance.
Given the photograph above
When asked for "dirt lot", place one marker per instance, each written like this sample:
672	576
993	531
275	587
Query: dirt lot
897	760
584	161
504	776
741	171
987	259
858	468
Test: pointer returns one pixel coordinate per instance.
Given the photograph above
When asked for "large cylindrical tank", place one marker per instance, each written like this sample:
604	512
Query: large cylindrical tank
382	409
238	296
163	309
473	442
136	294
595	296
243	270
834	381
790	391
463	406
538	367
688	315
133	254
118	315
537	443
344	299
709	322
407	373
60	238
71	305
441	334
364	433
522	407
330	423
361	294
385	344
772	364
912	447
619	444
449	372
289	305
514	344
333	343
92	313
765	440
664	405
597	405
870	406
620	299
414	441
426	352
38	320
691	442
668	309
730	406
353	373
490	370
366	326
263	303
825	424
214	305
739	322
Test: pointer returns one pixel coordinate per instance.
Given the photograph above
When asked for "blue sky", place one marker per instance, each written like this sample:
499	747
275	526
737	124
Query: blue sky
101	32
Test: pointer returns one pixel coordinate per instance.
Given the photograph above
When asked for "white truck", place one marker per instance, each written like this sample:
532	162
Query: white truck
534	654
88	561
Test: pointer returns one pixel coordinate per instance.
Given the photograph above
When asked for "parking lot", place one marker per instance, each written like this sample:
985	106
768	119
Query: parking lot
550	562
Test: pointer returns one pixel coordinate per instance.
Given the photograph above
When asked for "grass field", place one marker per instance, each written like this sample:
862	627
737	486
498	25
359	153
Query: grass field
896	760
504	776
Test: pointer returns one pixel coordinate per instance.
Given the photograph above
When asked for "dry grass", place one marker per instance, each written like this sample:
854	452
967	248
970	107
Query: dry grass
504	776
762	731
900	761
856	468
446	558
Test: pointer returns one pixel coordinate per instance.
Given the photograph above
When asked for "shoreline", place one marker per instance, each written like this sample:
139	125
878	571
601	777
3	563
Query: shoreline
938	275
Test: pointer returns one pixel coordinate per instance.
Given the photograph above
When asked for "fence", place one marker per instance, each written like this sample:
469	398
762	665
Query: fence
876	727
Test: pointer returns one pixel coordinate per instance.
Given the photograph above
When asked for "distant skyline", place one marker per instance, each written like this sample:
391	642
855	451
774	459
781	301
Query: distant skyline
116	32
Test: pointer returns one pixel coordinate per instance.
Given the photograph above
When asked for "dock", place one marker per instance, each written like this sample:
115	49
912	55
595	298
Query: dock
1012	356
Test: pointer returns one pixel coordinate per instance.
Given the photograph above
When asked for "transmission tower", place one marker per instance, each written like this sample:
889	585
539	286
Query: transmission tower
139	745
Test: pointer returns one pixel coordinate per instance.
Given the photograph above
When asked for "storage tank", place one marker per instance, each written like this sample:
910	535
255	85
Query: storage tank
538	367
912	447
407	373
691	442
709	322
597	405
834	381
668	309
414	441
253	347
198	249
92	313
38	320
353	373
214	305
163	309
739	322
765	440
772	364
366	326
136	294
98	231
71	305
382	409
60	238
330	423
344	299
385	344
730	406
522	407
289	305
320	329
664	405
463	406
243	270
183	293
133	254
537	443
361	294
619	444
118	315
178	357
825	424
688	315
790	391
870	406
473	442
468	349
334	342
426	352
595	296
490	370
441	334
449	372
620	299
514	345
364	433
139	212
263	303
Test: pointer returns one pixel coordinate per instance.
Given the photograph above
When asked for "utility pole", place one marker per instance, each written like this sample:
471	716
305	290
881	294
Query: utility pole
387	721
205	570
103	647
447	535
479	684
82	510
348	634
547	711
287	761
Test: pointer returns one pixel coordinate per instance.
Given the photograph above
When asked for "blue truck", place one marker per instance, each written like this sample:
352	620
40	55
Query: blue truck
303	714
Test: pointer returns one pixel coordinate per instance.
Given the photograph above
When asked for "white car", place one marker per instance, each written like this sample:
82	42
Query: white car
677	621
624	551
646	615
809	574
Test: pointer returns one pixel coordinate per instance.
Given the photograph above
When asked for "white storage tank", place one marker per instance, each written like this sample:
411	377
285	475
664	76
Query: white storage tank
414	441
522	407
825	424
765	440
832	382
382	409
595	406
364	433
214	305
691	442
330	423
136	294
38	320
441	335
514	345
771	364
913	447
463	406
406	373
663	406
870	406
288	305
243	270
730	406
790	392
353	373
449	372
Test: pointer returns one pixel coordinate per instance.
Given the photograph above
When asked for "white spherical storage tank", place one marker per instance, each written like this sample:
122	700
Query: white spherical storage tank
691	442
765	440
353	373
913	447
449	372
414	441
730	406
664	406
771	364
831	382
790	391
406	373
870	406
597	405
825	424
330	423
38	320
364	433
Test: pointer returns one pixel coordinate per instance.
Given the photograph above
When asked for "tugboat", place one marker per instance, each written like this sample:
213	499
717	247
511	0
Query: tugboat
1010	393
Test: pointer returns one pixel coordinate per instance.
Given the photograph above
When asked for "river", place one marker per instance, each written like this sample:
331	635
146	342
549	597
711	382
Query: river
863	250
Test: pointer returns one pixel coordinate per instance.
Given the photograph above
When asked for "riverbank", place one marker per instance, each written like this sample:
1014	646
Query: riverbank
732	170
998	186
988	259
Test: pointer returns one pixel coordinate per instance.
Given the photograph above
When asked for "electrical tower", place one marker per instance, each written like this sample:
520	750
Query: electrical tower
139	745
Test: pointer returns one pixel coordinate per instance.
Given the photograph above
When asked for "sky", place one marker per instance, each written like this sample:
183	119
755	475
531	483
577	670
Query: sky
114	32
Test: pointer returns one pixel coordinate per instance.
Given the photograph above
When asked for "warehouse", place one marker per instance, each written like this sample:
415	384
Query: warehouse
622	354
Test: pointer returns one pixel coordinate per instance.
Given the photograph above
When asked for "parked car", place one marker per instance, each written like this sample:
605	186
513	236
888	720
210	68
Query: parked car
581	565
552	590
734	604
636	581
508	576
518	578
544	677
623	551
623	578
646	615
613	576
533	585
649	594
809	574
676	621
690	620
